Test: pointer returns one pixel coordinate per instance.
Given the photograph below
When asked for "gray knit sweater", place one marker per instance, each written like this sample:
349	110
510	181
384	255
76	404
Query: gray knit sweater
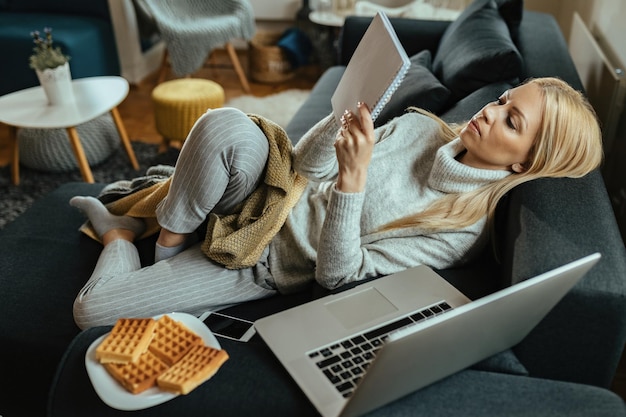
332	236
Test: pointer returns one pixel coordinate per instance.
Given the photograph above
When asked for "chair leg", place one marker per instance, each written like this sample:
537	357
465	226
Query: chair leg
164	145
232	53
240	73
163	69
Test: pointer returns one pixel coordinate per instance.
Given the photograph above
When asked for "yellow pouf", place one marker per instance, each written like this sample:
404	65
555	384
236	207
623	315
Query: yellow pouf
179	103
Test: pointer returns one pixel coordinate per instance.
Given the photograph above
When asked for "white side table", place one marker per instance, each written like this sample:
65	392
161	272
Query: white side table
327	18
94	96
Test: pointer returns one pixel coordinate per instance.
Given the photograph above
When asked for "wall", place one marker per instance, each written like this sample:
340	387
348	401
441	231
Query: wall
605	19
275	9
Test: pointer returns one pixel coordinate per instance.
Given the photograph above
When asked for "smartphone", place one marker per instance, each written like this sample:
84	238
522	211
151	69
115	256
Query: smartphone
228	326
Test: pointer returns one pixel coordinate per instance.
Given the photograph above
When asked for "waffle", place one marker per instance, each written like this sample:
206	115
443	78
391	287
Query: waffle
128	339
197	366
137	376
172	340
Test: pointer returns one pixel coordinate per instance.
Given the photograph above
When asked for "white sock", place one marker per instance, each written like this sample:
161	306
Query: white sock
164	252
103	220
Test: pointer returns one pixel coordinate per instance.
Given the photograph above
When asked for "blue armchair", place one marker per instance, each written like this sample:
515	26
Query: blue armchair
82	29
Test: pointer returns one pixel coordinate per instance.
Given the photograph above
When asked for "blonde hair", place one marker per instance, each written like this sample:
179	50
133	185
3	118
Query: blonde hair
568	144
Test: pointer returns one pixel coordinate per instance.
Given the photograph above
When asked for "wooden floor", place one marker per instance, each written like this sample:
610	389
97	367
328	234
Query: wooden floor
138	117
137	112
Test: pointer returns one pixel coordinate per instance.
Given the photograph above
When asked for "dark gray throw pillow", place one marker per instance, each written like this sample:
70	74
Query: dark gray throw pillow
476	50
512	12
419	88
467	107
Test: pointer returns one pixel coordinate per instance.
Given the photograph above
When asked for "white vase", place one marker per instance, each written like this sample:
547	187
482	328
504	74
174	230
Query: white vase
57	83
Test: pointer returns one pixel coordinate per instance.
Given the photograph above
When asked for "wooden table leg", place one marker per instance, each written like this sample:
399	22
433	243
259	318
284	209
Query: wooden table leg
83	164
124	137
15	150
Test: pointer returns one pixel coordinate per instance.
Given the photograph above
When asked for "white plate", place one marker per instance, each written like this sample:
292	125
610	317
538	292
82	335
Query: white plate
116	396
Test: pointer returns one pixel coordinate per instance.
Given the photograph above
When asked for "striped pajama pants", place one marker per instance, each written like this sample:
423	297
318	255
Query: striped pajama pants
221	162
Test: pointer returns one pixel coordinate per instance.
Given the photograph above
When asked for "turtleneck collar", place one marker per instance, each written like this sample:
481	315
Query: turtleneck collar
451	176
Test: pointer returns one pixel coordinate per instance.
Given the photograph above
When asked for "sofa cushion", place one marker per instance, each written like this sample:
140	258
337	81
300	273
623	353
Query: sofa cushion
467	107
512	12
476	50
45	262
252	382
317	105
419	88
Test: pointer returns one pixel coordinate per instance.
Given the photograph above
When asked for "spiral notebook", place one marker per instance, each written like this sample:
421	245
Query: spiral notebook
374	72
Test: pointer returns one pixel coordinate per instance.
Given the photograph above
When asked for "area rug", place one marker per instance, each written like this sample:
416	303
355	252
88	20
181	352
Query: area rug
278	107
14	200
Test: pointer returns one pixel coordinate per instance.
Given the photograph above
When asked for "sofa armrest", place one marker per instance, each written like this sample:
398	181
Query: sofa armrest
414	35
550	222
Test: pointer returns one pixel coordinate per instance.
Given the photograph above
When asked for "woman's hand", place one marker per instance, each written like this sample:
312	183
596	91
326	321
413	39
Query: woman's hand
354	146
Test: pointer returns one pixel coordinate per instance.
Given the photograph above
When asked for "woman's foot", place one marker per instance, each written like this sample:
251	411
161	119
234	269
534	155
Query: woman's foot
103	221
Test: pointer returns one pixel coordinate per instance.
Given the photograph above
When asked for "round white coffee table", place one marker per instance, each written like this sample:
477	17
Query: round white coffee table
94	96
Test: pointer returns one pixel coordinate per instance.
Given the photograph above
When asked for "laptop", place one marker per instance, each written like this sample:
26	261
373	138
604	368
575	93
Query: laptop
360	349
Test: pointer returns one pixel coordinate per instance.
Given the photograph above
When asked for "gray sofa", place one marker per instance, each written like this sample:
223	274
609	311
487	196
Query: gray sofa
563	368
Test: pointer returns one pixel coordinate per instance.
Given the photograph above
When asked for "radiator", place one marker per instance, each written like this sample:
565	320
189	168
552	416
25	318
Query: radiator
604	81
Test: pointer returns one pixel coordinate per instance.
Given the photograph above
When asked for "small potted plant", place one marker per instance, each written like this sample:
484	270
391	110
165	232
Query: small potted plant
52	68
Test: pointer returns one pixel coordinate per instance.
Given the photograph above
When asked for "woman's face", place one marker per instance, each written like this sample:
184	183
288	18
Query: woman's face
501	134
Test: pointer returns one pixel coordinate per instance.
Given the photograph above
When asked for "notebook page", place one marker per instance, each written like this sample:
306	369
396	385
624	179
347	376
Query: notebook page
375	71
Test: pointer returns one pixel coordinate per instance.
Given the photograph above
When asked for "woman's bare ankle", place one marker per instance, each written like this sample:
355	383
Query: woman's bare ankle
115	234
168	238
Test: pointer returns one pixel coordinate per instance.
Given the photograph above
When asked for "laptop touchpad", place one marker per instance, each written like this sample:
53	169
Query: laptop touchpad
360	308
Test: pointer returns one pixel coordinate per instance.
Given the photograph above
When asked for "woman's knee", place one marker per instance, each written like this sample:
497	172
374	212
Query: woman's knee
87	315
223	128
215	120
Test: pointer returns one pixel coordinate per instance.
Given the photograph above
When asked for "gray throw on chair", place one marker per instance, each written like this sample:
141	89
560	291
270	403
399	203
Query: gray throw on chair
191	29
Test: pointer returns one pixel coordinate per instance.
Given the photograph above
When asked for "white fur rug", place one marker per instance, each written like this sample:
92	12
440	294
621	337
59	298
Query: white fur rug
279	107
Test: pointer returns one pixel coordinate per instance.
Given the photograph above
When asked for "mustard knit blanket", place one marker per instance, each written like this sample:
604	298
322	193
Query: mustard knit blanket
236	240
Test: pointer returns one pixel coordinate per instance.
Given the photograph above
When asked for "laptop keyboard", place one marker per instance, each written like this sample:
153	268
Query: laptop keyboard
345	362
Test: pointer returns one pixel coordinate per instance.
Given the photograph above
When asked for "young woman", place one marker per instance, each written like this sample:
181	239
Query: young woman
377	201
